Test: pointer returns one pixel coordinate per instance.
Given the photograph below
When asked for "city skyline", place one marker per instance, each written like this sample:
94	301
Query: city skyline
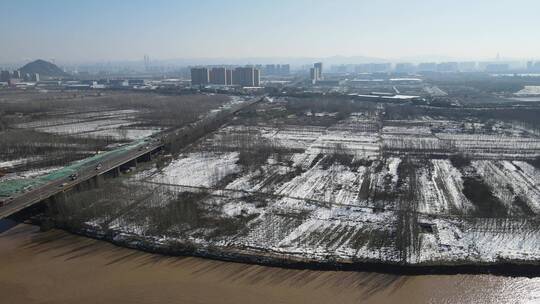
166	30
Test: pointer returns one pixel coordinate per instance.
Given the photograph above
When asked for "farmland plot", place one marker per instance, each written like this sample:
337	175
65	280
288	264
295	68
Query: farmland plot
55	128
327	186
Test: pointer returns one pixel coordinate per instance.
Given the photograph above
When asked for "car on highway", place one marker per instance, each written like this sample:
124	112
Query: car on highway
99	166
74	176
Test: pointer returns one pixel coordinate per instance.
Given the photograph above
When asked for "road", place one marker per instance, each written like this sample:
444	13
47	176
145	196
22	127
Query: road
86	172
109	161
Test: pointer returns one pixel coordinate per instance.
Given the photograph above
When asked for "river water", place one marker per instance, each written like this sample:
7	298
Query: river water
58	267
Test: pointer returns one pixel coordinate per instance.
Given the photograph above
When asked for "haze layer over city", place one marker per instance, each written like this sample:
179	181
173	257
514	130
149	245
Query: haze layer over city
272	152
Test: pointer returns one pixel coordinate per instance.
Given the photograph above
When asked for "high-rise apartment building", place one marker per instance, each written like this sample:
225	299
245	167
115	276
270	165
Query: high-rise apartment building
427	67
276	69
246	76
146	62
270	69
229	73
373	68
314	74
199	76
285	69
256	77
220	76
467	66
404	67
17	74
448	67
5	76
319	68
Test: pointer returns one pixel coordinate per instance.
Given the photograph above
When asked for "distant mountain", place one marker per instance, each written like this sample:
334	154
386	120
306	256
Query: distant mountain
43	68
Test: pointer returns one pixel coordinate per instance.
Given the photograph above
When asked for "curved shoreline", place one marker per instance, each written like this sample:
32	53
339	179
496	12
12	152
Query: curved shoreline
236	255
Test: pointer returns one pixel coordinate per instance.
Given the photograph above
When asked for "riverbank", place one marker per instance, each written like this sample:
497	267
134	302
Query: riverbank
59	267
258	256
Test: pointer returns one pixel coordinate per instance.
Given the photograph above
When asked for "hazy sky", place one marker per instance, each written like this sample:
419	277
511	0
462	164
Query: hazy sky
93	30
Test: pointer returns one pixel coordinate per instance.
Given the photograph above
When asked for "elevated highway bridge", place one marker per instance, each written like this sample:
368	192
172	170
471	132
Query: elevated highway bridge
17	195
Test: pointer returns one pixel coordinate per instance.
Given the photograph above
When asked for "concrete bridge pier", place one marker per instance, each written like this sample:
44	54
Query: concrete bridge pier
114	172
87	184
53	210
145	157
128	165
96	181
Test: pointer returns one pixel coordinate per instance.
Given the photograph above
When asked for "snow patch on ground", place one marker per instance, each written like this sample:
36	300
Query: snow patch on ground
529	90
199	169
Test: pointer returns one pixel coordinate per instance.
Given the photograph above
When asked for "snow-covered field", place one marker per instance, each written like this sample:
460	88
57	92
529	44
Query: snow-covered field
512	180
329	193
116	124
28	174
446	137
435	91
124	133
441	189
198	170
528	91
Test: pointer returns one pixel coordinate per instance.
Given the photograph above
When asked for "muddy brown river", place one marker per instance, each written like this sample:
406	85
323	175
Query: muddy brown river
58	267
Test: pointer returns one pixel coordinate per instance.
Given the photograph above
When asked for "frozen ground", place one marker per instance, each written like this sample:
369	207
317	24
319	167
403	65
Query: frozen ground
42	130
209	168
124	133
28	173
342	212
114	124
359	189
528	91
